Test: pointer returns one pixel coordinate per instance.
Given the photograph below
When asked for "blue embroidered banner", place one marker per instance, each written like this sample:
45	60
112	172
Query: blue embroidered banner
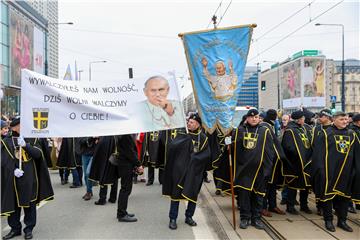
216	61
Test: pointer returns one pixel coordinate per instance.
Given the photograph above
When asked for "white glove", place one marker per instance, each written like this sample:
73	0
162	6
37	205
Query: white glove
18	173
227	140
21	141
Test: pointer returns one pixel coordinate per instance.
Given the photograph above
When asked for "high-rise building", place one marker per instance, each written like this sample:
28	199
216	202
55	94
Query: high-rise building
249	89
24	44
49	10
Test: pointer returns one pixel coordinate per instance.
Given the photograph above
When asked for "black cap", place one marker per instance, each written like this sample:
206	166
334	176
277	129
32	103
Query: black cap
252	112
351	114
196	117
325	112
356	117
308	114
271	114
297	115
339	113
15	121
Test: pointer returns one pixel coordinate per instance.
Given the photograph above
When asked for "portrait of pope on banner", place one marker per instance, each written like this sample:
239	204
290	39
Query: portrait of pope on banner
222	85
158	112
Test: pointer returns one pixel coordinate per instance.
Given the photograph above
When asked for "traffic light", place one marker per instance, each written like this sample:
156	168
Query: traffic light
333	109
263	85
131	75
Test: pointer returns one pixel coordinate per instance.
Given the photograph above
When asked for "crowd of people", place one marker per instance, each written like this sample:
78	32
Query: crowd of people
306	152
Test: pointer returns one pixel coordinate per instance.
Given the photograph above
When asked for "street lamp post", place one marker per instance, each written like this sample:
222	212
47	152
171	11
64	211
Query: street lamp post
278	81
80	71
342	64
90	67
46	41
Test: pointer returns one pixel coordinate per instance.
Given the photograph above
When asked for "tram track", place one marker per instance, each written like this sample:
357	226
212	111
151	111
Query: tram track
271	230
353	220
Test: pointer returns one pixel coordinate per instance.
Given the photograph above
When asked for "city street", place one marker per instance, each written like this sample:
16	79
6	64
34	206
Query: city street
70	217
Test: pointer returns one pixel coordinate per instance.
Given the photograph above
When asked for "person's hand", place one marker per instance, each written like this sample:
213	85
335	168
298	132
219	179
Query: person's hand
230	65
21	141
204	62
18	173
167	106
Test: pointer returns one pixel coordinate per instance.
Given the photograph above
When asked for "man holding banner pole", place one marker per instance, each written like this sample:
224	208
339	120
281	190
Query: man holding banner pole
217	89
24	183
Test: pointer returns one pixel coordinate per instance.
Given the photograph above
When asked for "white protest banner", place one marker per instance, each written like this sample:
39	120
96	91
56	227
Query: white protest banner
57	108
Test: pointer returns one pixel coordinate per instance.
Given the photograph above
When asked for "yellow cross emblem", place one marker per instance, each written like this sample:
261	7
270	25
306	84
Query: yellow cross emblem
40	118
342	143
250	140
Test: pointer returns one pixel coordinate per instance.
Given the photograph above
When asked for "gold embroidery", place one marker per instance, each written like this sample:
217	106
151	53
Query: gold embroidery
342	143
250	140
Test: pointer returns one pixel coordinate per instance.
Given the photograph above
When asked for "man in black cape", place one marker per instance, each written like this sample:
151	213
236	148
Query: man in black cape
253	158
297	147
70	159
102	171
22	187
333	166
356	182
276	177
153	151
324	121
187	158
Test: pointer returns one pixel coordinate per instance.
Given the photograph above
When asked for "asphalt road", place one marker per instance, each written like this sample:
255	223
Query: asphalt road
70	217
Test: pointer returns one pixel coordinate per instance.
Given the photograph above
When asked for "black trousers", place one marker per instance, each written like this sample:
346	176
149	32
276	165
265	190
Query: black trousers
270	198
113	191
125	175
174	209
29	219
151	175
292	197
341	204
250	204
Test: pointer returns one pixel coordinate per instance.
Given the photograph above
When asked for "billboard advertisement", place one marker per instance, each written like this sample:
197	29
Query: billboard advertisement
39	51
313	80
291	84
21	44
303	83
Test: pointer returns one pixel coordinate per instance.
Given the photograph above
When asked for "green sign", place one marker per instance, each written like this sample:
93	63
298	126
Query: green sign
310	52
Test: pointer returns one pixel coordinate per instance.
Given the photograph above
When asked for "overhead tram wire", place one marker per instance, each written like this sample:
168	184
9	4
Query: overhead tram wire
282	39
119	33
214	14
224	13
285	20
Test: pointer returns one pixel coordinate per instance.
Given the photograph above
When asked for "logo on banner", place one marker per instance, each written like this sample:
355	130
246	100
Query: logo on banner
342	143
40	118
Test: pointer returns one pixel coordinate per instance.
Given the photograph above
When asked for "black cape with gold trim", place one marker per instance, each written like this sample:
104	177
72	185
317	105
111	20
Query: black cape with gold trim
297	148
333	163
278	174
187	158
68	156
355	189
153	149
217	147
33	186
253	158
102	171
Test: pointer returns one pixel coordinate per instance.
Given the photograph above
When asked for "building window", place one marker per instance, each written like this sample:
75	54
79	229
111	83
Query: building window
5	55
4	13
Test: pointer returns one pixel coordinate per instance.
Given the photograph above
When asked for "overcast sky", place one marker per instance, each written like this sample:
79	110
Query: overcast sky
143	34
